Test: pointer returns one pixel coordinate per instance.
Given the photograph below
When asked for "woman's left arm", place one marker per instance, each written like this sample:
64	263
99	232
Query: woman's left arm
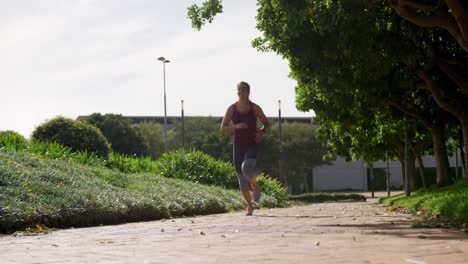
266	124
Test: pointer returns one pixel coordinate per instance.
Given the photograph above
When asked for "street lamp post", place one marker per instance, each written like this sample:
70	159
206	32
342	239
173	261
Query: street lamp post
280	176
183	127
164	61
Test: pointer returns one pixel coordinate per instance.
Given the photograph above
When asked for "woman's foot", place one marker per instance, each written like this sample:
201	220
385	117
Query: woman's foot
249	210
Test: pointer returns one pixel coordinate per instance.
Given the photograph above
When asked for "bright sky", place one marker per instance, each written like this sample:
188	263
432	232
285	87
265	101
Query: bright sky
78	57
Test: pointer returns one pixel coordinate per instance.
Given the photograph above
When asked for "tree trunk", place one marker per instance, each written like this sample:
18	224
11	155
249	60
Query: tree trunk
460	142
464	125
420	167
441	156
400	150
412	170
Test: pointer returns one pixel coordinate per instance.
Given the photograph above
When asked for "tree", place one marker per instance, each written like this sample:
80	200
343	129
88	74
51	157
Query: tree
349	54
202	133
301	151
153	136
123	137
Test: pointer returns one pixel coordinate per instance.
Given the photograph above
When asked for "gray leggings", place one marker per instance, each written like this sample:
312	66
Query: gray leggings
245	159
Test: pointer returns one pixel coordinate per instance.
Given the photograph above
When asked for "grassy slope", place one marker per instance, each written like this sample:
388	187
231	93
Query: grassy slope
62	194
447	203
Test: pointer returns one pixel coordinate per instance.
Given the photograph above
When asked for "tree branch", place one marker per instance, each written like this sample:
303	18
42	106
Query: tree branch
451	106
423	7
416	114
460	79
438	18
460	15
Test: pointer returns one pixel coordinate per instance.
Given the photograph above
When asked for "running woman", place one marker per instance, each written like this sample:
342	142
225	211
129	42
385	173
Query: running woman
243	115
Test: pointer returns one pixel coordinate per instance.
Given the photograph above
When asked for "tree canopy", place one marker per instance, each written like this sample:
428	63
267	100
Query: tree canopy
370	69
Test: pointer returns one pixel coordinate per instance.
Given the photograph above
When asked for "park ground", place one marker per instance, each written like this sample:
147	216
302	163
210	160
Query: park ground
358	232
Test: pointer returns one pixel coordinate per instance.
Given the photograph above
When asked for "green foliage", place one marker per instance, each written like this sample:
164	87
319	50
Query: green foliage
272	187
299	150
12	140
60	194
77	135
123	137
199	15
127	164
447	203
327	197
202	133
153	136
196	166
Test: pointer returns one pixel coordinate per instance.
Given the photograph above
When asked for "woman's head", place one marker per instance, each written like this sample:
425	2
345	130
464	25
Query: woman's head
243	90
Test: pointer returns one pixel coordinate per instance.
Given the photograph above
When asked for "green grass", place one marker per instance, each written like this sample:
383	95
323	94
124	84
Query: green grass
327	197
59	193
193	166
445	204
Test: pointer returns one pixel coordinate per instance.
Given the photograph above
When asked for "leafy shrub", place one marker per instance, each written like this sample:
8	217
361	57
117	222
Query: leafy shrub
123	137
127	164
77	135
12	140
273	188
196	166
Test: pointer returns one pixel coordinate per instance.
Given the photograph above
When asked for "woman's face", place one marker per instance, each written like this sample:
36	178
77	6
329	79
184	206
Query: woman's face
242	92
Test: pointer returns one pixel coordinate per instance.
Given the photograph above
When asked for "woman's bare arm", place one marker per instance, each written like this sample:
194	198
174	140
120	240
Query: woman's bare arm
225	124
261	116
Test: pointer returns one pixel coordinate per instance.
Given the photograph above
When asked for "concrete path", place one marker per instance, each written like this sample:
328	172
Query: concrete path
317	233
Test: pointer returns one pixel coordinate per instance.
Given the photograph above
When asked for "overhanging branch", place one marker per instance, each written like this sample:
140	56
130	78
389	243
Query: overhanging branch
411	11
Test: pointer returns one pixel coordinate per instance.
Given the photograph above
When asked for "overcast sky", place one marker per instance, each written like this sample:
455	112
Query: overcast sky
78	57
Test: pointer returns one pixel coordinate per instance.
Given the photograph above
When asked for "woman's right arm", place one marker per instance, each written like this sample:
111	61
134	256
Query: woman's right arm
225	124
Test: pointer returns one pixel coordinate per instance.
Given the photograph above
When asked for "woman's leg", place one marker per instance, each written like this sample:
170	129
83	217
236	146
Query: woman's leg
239	154
249	170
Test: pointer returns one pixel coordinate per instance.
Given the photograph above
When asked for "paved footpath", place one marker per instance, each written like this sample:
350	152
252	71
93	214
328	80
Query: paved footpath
316	233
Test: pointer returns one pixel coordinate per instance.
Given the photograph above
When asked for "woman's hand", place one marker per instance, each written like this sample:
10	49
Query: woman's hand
259	136
240	126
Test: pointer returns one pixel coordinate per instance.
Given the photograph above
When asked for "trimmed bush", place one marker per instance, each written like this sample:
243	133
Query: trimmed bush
77	135
273	188
196	166
12	140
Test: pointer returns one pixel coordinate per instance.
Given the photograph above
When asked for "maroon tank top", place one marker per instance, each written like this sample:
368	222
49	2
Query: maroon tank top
245	136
